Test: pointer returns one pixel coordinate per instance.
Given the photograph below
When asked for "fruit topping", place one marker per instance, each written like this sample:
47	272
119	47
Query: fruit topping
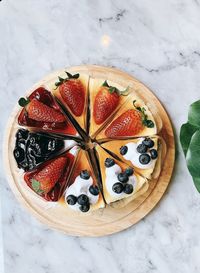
128	188
94	190
41	110
122	177
144	159
148	142
117	187
127	124
109	162
45	179
31	149
85	208
123	150
84	174
129	171
146	122
71	200
72	92
106	101
153	153
83	199
142	148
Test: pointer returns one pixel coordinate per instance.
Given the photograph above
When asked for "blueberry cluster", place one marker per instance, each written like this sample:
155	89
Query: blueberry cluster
83	199
146	146
31	149
123	177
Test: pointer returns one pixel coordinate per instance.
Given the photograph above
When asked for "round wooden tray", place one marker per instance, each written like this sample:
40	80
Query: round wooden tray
104	221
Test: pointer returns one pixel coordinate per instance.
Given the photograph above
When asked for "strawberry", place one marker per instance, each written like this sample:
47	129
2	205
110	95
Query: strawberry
41	112
127	124
72	92
106	101
43	181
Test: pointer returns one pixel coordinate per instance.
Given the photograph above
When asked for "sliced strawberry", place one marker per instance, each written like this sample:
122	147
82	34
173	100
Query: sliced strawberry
41	112
106	101
46	178
73	93
127	124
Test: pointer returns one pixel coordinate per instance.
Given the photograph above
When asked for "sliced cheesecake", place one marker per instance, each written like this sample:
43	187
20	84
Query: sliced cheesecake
83	192
119	180
133	119
72	93
42	112
143	154
50	179
106	97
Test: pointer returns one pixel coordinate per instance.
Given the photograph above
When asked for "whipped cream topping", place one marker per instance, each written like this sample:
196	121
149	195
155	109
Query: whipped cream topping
81	186
133	155
111	179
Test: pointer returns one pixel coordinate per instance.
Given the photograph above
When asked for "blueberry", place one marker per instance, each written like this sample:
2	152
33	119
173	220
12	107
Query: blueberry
148	142
123	150
51	145
71	199
128	188
122	177
22	134
32	140
117	187
129	171
94	190
144	159
142	148
84	208
153	153
83	199
109	162
84	174
19	154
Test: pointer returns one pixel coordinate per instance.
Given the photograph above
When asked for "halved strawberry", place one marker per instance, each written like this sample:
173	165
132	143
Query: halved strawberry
106	101
127	124
41	112
72	92
43	181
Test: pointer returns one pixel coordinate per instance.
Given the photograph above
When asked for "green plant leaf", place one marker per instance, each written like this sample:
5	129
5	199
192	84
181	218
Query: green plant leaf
193	155
105	84
196	181
186	133
194	114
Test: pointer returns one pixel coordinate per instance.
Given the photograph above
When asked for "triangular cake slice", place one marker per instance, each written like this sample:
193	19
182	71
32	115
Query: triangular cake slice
49	180
105	99
143	154
72	92
118	179
133	119
41	111
83	192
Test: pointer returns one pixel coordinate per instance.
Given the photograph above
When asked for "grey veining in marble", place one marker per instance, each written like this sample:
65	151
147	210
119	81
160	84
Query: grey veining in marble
158	42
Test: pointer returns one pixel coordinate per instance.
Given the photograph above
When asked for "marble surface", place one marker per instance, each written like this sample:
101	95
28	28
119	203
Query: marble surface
158	42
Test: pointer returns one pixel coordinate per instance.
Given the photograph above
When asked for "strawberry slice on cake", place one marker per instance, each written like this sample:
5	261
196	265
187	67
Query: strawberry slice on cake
41	111
72	92
132	120
83	193
105	99
49	180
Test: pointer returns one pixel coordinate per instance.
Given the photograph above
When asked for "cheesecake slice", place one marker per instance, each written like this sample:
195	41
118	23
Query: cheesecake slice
106	97
72	92
42	112
83	192
143	154
133	119
119	180
50	179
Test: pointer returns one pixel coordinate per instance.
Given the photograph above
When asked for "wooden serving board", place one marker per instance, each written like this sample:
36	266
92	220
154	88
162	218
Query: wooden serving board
104	221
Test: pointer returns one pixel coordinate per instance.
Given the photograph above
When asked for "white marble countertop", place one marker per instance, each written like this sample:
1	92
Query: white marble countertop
159	43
